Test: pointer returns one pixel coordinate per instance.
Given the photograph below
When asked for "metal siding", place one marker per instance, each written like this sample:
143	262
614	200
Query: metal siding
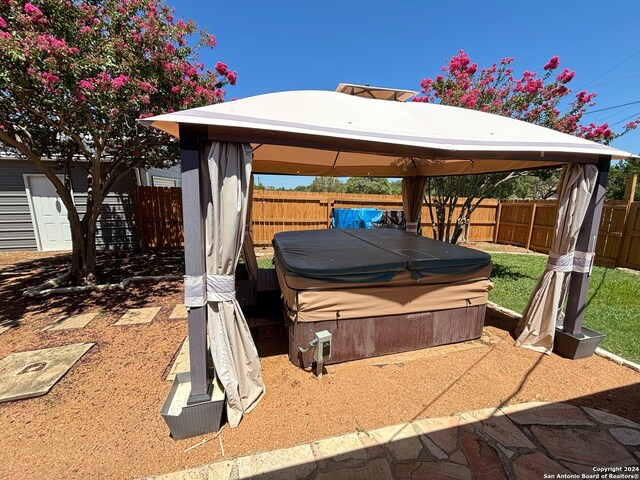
115	226
171	172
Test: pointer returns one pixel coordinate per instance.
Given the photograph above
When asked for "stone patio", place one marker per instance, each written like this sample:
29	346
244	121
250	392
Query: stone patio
34	373
522	442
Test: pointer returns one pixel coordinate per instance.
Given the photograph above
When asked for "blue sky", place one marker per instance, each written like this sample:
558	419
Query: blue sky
299	45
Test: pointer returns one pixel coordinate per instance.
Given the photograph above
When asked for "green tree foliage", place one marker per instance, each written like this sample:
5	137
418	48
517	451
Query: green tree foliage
618	178
77	75
325	184
370	185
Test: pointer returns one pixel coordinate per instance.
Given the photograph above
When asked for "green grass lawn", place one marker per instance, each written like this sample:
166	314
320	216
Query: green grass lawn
613	301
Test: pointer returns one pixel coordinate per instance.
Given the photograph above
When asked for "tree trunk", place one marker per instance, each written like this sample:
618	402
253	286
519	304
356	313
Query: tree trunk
83	256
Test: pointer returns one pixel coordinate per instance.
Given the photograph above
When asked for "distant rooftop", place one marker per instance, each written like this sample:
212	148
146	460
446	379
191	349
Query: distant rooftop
379	93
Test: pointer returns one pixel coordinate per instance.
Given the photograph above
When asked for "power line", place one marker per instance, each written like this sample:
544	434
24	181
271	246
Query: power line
610	70
610	108
635	115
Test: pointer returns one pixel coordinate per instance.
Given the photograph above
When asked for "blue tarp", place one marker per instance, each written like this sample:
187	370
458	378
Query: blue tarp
355	217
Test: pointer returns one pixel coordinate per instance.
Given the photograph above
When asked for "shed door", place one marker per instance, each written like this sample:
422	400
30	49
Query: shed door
50	222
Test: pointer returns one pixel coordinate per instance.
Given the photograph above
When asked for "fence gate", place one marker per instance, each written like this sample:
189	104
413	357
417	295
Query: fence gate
630	254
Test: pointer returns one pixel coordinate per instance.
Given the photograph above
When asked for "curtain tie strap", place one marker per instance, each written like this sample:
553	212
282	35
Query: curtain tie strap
581	262
200	289
195	291
412	227
221	288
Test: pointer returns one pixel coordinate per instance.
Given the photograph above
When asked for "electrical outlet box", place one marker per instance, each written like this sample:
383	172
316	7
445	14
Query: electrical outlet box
322	352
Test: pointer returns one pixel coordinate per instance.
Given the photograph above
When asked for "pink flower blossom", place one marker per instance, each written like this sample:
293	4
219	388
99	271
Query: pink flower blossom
175	89
565	76
87	85
84	30
425	83
120	81
3	24
146	87
211	40
31	10
232	76
221	68
552	63
5	34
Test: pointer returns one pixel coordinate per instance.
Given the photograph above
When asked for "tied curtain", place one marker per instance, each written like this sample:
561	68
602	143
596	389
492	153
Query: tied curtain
225	177
413	189
248	249
543	312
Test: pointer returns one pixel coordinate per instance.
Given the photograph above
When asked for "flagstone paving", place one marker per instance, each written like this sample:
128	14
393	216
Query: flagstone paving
482	444
181	363
179	311
71	322
34	373
136	316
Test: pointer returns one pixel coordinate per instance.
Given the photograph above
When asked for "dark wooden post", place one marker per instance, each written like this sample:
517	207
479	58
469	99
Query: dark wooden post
192	139
579	281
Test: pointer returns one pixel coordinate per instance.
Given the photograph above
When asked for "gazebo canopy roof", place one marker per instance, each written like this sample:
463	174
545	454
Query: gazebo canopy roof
333	134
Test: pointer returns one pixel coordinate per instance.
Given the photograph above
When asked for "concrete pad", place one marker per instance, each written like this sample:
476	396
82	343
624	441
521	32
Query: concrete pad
402	440
136	316
340	448
181	363
213	471
34	373
71	322
288	463
179	311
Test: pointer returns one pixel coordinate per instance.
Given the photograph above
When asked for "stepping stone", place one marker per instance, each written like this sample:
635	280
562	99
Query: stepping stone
288	463
136	316
374	470
401	439
541	413
431	471
70	322
535	465
34	373
609	418
179	311
583	447
181	363
337	449
626	436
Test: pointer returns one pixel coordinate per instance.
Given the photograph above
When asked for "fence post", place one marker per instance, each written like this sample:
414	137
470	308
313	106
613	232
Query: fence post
497	224
330	204
533	217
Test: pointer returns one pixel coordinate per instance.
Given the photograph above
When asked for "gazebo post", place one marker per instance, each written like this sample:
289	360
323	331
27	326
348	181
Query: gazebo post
193	213
573	340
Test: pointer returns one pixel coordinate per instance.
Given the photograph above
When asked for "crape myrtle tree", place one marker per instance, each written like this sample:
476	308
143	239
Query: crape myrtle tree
544	99
75	77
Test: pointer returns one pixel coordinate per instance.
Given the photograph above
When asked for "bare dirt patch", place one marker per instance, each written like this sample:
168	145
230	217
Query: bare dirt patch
102	419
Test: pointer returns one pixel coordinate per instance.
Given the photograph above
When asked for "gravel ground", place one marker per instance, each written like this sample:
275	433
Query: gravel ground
102	419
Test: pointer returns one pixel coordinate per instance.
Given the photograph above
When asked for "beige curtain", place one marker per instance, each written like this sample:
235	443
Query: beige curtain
412	198
234	354
248	249
537	327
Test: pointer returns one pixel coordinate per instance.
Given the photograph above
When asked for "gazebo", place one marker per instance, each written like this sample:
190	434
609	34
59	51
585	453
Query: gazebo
325	133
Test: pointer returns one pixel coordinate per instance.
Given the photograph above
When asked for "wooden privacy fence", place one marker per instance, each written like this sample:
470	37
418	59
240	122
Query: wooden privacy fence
530	224
158	218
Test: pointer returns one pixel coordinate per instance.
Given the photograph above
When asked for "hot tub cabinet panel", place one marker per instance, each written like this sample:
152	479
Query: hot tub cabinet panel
356	338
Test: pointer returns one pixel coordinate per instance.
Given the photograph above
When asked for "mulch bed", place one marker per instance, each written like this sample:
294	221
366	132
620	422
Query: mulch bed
102	419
